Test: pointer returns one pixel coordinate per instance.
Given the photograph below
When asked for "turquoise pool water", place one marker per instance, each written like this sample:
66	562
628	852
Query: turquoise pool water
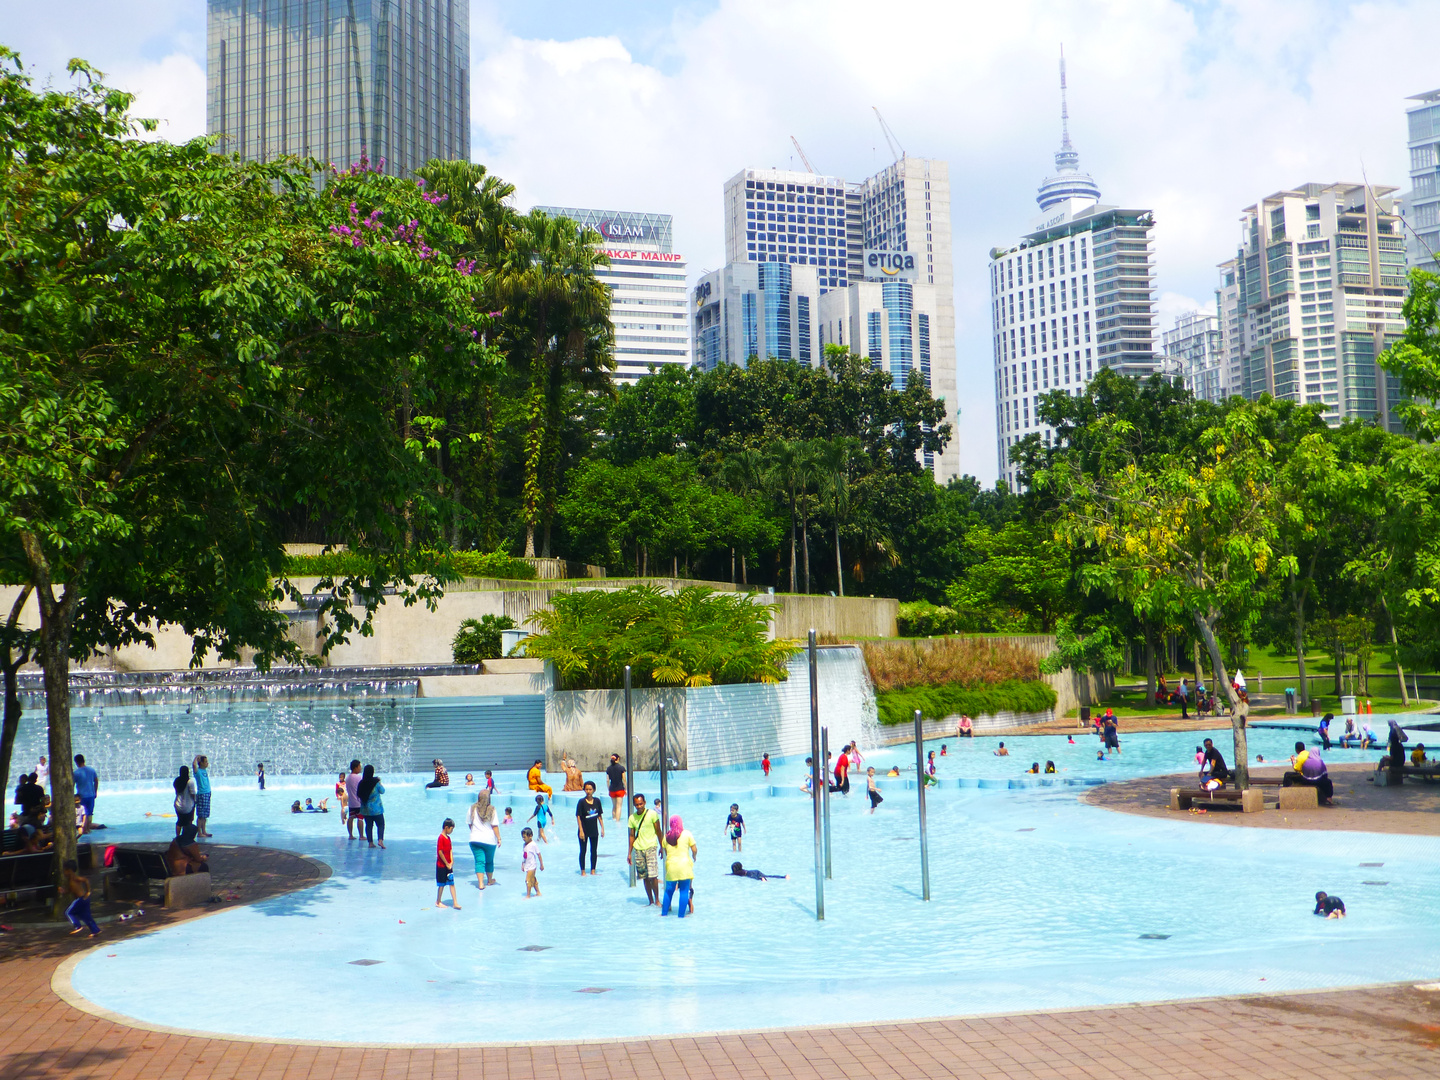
1039	902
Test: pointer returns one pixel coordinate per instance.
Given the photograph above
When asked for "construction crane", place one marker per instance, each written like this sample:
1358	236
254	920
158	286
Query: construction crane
800	150
895	147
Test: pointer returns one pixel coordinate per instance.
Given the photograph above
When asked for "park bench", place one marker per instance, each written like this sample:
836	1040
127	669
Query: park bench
34	873
1424	772
1250	801
149	870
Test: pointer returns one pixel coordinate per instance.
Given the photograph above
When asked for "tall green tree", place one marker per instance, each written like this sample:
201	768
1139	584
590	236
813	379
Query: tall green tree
833	461
190	349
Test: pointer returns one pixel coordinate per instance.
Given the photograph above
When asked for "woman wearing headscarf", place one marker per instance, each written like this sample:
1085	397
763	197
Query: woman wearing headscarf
680	852
484	837
370	790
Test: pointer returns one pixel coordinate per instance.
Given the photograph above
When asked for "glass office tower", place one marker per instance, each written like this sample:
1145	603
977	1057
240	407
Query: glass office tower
341	80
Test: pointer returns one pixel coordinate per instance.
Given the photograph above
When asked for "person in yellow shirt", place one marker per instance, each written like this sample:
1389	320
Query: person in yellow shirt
536	782
1417	756
680	852
644	852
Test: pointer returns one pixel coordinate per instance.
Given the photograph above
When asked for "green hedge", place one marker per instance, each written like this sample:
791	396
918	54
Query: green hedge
492	564
920	618
898	706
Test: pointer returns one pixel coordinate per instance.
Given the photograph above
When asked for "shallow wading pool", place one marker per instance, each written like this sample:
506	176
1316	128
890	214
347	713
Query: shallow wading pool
1039	902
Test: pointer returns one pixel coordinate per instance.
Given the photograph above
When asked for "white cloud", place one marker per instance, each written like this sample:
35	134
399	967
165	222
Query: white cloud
171	91
1193	110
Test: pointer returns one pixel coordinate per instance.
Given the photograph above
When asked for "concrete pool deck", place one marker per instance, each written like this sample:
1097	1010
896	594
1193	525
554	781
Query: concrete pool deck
1413	809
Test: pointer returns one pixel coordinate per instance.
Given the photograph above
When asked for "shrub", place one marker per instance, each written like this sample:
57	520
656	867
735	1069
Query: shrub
935	702
971	662
693	637
920	618
479	639
452	564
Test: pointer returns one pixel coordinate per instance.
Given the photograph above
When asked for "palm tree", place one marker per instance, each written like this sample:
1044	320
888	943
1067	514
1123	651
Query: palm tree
560	316
832	463
743	473
788	471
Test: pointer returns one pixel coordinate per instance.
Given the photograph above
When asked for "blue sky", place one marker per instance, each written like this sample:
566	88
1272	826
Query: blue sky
1194	109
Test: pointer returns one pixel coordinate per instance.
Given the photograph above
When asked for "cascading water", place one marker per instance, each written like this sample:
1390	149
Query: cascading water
138	726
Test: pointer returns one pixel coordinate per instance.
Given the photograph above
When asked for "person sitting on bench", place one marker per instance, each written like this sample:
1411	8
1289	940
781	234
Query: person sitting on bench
1218	772
1417	756
184	856
1309	771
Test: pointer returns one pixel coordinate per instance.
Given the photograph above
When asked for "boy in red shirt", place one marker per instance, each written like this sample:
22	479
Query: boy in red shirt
445	865
765	764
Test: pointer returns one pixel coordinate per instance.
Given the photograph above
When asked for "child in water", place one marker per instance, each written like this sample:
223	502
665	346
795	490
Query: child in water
930	763
1049	767
531	861
765	764
944	750
1034	768
872	789
541	816
755	875
894	771
508	819
735	826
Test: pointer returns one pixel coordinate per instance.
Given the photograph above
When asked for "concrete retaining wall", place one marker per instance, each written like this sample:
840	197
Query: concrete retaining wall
589	726
838	616
983	725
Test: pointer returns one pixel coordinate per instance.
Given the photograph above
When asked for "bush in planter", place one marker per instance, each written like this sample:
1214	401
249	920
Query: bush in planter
692	637
934	702
479	639
920	618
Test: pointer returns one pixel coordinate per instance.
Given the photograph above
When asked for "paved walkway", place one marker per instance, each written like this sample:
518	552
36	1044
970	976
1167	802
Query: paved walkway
1359	805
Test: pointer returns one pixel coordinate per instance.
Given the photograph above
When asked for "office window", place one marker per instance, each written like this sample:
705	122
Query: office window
872	321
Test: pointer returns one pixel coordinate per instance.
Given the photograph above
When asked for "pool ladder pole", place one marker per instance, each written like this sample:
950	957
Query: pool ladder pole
664	770
629	762
825	797
817	780
920	787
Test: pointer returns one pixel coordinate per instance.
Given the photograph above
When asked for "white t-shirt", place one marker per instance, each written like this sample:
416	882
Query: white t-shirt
481	831
42	774
530	859
185	800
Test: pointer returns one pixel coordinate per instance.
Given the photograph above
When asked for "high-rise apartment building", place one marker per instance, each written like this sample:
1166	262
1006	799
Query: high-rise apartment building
1074	296
803	219
756	310
1232	331
906	207
646	279
1422	204
1194	353
340	80
1319	282
825	224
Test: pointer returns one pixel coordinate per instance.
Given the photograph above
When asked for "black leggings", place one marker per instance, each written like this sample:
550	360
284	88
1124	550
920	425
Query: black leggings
591	837
373	822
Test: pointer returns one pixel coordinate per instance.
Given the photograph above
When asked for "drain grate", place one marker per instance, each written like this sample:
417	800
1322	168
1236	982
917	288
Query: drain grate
534	948
593	990
902	838
1025	830
1374	883
1372	864
1154	937
366	963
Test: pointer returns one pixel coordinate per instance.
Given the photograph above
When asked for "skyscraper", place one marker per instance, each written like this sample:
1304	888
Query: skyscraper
646	279
1194	350
340	80
804	219
1422	204
1319	285
1075	295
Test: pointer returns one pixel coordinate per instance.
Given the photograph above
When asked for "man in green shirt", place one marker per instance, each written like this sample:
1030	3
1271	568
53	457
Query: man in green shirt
645	847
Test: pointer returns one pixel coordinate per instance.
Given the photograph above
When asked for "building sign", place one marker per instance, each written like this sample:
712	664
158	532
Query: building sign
614	229
891	265
644	256
702	293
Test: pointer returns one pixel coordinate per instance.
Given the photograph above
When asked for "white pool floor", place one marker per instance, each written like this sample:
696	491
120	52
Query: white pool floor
1038	902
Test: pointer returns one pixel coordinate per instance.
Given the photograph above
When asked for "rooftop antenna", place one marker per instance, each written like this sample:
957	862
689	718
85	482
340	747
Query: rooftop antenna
801	151
1067	158
895	147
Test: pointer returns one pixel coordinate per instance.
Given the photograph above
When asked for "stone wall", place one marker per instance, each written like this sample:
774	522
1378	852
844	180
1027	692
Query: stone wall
835	616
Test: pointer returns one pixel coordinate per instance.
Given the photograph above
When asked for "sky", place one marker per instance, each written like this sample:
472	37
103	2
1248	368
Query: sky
1193	109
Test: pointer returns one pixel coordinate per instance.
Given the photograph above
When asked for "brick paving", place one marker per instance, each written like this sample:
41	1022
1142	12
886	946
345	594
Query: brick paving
1359	806
1380	1033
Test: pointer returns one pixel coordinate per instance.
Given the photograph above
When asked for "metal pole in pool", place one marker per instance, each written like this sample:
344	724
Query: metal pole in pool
629	760
825	796
664	772
920	786
817	780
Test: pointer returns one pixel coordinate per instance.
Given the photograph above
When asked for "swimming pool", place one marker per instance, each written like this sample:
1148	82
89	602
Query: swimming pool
1039	902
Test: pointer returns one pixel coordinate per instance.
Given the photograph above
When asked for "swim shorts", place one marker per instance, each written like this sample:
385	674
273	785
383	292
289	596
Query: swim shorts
646	862
443	875
89	805
618	794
